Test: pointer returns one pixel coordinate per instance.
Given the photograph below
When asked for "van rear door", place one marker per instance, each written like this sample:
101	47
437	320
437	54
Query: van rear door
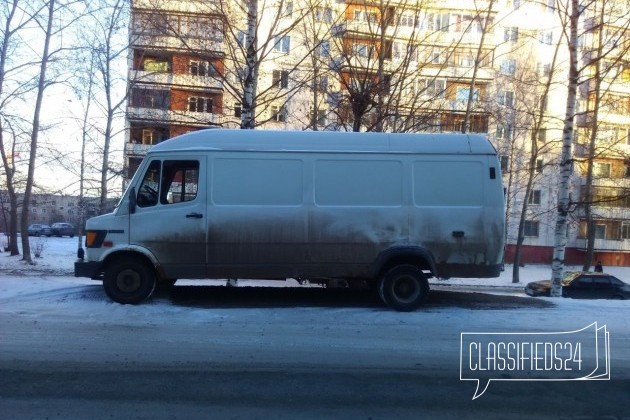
170	217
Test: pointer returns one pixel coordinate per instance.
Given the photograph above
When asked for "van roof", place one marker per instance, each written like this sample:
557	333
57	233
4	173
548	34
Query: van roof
320	141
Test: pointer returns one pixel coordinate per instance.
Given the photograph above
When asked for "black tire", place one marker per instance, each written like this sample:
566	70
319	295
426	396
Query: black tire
129	280
404	288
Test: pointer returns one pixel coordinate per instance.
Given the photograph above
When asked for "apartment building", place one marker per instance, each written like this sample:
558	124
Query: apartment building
605	107
176	62
400	65
52	208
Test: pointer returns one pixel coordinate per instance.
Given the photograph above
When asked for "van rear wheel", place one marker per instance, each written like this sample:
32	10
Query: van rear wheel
129	280
404	288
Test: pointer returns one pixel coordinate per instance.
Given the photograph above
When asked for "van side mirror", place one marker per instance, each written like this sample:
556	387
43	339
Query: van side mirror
132	200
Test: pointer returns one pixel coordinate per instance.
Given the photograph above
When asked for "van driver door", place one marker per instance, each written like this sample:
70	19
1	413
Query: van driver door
170	215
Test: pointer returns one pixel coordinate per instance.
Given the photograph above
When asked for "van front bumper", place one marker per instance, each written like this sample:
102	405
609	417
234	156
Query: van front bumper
90	269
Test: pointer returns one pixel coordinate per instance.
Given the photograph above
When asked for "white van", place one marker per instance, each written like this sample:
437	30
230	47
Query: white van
389	210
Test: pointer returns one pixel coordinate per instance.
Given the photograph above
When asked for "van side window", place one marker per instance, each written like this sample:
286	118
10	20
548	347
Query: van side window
148	191
180	180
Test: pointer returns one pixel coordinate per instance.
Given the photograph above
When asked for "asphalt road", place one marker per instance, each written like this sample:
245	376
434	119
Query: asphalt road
340	354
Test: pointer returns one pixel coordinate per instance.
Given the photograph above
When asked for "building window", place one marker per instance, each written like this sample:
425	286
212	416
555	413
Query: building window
320	117
545	37
156	65
404	51
199	104
464	93
539	166
364	16
150	98
435	88
241	38
466	60
600	231
201	68
510	34
438	22
543	69
530	229
280	79
437	58
279	114
406	19
321	83
542	135
282	44
194	26
534	197
504	131
508	67
323	14
601	170
132	166
323	49
288	8
362	50
505	163
506	98
625	230
148	136
238	110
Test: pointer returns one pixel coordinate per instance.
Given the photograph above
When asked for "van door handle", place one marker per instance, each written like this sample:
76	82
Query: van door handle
194	216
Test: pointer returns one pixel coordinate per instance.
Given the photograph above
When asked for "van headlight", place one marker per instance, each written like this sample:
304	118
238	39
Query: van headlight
95	238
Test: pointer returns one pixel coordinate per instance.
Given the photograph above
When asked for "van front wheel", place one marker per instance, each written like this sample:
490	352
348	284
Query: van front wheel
404	287
129	280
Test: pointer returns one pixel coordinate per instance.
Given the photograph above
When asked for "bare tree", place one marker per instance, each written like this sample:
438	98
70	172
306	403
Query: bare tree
47	27
15	20
566	160
260	36
603	60
535	121
106	49
478	58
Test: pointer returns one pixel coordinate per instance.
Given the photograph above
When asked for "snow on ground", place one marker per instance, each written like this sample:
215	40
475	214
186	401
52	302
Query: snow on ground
58	256
48	289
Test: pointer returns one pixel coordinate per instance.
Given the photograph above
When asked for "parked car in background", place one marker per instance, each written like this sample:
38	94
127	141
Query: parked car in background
584	285
63	229
37	229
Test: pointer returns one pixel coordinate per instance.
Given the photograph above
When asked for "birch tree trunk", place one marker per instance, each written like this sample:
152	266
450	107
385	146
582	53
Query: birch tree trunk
41	86
471	93
533	157
9	167
566	159
248	105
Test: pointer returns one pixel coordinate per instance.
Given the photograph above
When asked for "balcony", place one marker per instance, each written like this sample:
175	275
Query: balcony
622	245
608	213
608	182
176	43
177	6
451	71
181	117
135	149
206	82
